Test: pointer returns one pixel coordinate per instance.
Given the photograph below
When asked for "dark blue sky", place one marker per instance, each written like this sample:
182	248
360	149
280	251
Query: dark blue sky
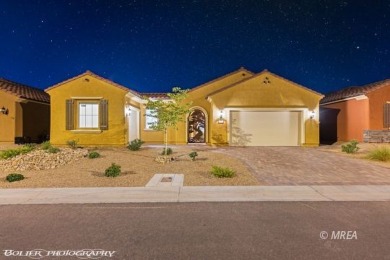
155	45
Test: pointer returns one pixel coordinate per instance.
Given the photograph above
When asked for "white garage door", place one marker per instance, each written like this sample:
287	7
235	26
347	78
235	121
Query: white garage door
260	128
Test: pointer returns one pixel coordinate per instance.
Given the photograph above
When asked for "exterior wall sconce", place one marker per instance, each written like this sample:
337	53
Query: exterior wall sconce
4	110
312	114
221	120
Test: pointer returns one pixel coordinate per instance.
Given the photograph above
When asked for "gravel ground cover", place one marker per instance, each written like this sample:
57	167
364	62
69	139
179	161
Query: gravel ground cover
138	167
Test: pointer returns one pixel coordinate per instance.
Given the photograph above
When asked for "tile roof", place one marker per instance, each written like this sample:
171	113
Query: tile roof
24	91
350	92
155	95
90	73
259	74
243	70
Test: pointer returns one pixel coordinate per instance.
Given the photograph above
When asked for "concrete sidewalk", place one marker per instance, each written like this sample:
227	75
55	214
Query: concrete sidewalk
195	194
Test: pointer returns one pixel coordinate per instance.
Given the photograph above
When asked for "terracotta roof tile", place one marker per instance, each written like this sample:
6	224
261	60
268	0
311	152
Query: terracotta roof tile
90	73
24	91
155	95
350	92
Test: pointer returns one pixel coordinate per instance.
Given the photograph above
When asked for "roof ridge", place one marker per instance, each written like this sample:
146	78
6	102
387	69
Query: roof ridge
221	77
90	73
258	74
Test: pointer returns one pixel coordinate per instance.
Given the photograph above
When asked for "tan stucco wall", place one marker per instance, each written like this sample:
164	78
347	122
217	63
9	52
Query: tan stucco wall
8	122
88	86
352	119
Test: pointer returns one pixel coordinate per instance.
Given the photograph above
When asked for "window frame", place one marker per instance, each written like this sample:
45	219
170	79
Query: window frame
148	126
78	110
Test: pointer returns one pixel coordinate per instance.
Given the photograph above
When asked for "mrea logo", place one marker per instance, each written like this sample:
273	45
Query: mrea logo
344	235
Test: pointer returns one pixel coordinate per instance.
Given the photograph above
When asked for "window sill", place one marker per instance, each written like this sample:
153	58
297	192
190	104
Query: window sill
152	130
87	131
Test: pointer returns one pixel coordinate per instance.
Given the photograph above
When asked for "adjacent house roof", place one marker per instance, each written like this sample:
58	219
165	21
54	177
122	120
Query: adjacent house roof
90	73
353	91
259	74
23	91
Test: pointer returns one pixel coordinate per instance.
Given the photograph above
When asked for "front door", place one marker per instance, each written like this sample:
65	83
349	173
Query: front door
196	125
133	119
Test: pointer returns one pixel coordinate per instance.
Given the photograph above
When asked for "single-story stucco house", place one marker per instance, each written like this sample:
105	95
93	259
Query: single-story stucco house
240	108
361	113
24	113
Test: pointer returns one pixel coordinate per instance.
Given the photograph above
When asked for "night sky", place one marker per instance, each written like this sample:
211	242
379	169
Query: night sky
151	46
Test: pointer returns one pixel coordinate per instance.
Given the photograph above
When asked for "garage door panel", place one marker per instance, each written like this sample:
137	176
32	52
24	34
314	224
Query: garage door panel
259	128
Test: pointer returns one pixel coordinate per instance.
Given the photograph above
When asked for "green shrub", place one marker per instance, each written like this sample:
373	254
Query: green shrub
193	155
45	145
72	144
380	154
222	172
113	171
53	149
14	177
93	155
15	152
350	147
169	151
135	145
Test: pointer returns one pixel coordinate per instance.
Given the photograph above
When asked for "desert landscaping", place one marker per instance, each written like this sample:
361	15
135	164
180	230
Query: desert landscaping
72	168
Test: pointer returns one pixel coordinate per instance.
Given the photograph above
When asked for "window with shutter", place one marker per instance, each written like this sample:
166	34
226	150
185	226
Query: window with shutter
386	115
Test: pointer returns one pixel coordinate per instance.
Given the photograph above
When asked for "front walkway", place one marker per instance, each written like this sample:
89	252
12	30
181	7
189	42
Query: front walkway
307	166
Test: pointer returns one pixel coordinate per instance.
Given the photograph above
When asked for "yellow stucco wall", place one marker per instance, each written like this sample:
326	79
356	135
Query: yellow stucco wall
198	98
277	93
8	122
82	88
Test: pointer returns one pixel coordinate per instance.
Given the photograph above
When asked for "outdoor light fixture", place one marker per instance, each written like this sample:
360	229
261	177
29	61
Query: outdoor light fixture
220	119
312	114
4	110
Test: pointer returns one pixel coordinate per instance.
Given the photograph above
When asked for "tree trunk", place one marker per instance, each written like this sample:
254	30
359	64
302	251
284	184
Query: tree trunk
166	144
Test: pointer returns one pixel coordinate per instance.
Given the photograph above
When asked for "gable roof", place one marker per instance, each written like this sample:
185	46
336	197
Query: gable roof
90	73
23	91
259	74
241	69
353	91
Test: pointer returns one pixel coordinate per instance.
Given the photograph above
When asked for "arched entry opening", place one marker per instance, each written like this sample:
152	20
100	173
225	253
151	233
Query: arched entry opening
197	125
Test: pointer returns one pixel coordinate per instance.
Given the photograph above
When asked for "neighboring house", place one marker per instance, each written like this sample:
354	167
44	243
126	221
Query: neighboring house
24	113
240	108
347	113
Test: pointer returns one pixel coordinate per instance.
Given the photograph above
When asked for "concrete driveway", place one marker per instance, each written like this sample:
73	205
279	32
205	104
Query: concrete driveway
307	166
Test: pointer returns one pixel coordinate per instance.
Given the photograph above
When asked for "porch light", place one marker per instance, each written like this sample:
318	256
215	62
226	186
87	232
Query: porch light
220	119
4	110
312	114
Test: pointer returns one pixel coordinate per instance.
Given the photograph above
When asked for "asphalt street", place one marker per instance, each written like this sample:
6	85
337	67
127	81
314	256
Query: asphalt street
239	230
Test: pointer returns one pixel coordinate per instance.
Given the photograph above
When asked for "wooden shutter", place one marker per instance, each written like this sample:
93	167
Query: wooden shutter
69	115
103	111
386	115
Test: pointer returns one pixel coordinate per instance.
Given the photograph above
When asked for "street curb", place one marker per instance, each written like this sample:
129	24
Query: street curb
194	194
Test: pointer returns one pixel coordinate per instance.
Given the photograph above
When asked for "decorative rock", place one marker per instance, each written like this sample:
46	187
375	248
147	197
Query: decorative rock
41	160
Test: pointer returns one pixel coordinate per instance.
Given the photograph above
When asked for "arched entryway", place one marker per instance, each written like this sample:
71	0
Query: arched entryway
197	125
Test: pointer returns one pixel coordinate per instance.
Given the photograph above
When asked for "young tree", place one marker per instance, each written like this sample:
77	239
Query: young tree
168	112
